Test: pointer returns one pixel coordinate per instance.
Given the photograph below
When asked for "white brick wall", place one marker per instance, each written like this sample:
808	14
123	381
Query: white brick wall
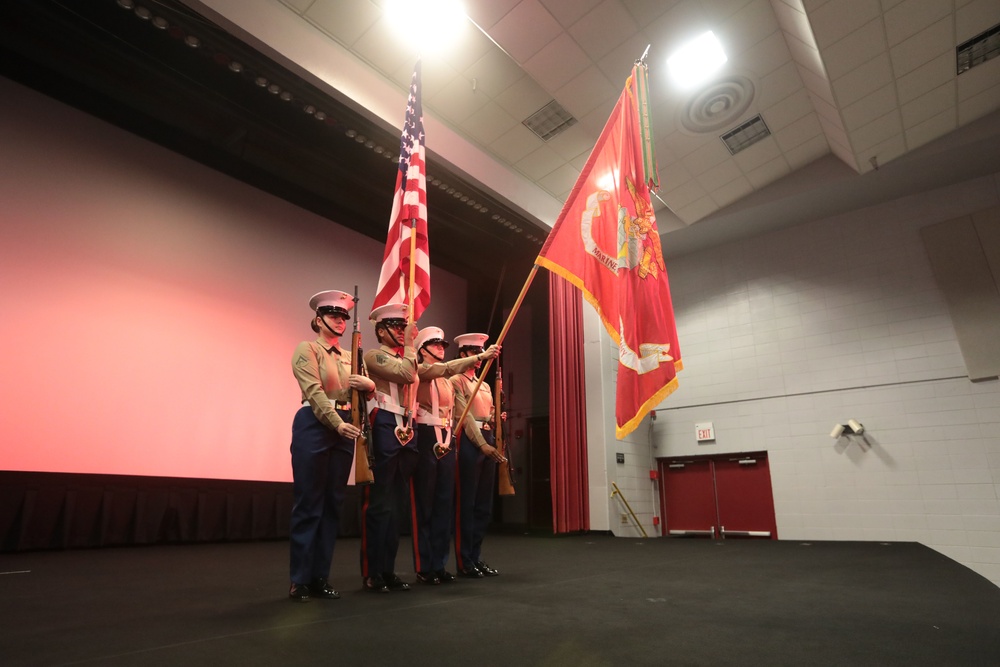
788	333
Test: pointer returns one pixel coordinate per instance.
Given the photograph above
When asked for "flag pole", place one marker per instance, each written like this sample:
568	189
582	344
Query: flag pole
407	393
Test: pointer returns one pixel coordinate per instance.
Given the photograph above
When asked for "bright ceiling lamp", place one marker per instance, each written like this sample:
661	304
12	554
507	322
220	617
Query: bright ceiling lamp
430	25
697	60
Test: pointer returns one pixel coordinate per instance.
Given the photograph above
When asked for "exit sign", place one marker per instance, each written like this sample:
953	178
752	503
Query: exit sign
704	432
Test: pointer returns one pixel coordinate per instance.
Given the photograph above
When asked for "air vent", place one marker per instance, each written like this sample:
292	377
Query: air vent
549	121
745	135
984	46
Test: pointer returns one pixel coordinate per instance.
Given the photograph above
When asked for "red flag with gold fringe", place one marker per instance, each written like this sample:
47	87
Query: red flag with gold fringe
606	242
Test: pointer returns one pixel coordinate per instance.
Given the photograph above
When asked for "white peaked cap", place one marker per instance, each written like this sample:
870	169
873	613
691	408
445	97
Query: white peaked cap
332	298
430	335
390	311
471	340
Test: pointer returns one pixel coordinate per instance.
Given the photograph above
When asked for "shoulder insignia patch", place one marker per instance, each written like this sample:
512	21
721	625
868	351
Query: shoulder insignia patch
381	359
301	361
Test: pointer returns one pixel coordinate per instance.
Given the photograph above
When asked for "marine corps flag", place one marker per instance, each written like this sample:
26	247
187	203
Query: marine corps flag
606	243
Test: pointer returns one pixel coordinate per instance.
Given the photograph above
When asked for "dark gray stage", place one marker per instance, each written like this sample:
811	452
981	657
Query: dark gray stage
582	601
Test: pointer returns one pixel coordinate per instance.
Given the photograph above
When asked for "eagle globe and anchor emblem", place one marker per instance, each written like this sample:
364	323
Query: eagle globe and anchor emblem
638	250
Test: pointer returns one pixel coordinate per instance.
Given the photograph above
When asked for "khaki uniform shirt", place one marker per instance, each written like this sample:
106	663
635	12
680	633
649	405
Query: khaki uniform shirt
438	374
481	410
385	368
322	374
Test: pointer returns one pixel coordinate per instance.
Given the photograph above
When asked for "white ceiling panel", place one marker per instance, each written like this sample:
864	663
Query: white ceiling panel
855	78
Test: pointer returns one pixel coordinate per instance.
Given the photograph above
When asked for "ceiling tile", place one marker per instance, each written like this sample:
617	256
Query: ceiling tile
923	47
872	106
345	22
884	152
793	21
835	133
457	100
568	12
487	12
679	24
299	6
494	73
381	48
767	55
598	118
845	155
557	62
931	129
603	28
516	143
698	210
799	132
926	77
836	19
719	175
730	192
468	47
857	48
877	131
541	161
810	151
710	154
523	98
572	142
617	65
760	153
978	79
778	85
816	84
979	105
586	91
789	110
807	57
747	27
825	110
489	123
525	30
908	18
674	175
435	74
768	173
929	105
683	195
862	81
646	11
560	181
974	17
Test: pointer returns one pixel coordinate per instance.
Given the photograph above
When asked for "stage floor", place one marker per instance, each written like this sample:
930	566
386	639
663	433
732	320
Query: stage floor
582	601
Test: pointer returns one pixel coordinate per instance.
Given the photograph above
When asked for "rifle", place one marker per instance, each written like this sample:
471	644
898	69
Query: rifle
507	467
364	458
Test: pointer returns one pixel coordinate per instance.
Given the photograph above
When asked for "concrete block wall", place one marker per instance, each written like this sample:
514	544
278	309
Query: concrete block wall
788	333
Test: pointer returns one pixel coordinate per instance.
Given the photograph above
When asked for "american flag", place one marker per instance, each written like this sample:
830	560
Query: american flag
409	213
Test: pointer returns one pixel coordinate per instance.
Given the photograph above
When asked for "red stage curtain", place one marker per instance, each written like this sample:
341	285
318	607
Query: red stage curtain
568	421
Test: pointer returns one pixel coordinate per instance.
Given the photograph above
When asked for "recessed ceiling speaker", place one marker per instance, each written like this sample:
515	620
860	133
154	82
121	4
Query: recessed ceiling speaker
718	105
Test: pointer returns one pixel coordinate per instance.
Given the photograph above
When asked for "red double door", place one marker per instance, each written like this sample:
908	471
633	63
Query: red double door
726	496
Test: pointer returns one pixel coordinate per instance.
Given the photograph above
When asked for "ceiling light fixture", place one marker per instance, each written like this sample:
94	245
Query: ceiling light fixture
435	24
697	60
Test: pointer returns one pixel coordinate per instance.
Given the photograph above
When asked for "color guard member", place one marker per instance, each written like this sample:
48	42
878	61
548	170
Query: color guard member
392	366
322	444
432	489
477	459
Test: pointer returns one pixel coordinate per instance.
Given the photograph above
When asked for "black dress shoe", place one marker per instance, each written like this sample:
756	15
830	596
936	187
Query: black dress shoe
445	576
394	583
374	585
487	570
321	588
471	573
428	578
298	593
